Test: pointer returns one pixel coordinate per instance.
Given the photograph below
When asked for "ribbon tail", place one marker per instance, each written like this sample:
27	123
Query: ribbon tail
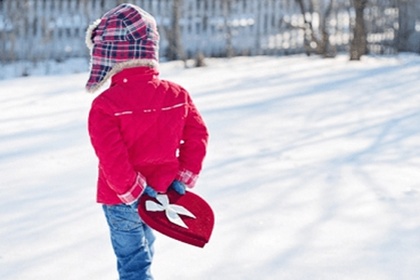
153	206
181	210
163	199
174	218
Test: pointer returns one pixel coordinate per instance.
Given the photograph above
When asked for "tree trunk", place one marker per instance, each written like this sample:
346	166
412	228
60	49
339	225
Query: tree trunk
326	48
407	36
175	50
320	44
227	25
358	46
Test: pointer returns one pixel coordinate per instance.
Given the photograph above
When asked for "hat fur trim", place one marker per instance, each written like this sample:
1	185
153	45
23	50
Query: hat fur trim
89	31
121	66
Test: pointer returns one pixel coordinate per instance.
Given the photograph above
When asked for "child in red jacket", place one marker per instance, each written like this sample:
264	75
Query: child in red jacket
146	132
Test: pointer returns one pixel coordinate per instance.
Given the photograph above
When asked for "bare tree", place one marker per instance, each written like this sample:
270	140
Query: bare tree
358	46
317	41
227	7
407	37
175	49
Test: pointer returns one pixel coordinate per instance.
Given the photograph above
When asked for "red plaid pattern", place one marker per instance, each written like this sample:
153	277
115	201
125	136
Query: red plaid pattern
187	177
126	36
135	191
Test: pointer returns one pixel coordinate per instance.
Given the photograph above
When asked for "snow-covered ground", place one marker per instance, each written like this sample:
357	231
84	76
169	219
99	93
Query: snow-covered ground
313	171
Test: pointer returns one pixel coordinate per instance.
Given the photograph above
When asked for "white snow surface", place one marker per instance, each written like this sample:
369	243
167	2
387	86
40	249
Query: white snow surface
313	172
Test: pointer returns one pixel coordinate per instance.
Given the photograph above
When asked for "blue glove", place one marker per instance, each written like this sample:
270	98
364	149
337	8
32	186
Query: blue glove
150	192
178	186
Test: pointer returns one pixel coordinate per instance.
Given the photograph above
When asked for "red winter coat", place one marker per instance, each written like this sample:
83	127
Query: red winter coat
145	131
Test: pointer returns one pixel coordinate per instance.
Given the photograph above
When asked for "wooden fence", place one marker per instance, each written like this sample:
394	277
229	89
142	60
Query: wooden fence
38	30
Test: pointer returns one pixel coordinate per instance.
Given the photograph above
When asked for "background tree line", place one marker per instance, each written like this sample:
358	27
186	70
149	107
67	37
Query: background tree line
38	30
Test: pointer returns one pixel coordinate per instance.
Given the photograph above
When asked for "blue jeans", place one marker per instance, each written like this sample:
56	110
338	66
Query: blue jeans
132	241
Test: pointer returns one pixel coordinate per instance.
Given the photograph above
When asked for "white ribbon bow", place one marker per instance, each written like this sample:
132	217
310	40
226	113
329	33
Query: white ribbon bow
171	210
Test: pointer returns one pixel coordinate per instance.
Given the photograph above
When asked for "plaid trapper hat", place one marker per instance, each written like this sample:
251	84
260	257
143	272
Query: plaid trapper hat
124	37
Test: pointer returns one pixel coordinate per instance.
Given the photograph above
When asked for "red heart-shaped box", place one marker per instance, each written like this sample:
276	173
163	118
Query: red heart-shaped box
199	228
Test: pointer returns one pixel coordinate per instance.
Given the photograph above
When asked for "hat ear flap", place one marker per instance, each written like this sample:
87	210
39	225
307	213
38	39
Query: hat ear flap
89	33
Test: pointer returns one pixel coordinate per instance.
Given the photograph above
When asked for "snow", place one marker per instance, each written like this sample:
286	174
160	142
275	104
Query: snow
312	171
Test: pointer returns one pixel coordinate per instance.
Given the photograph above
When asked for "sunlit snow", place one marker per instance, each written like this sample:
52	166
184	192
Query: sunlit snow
313	171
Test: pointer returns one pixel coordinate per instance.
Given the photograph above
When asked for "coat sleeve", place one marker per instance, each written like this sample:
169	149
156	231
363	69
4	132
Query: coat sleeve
193	146
114	162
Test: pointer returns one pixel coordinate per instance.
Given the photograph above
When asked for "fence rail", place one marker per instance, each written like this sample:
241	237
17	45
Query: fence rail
38	30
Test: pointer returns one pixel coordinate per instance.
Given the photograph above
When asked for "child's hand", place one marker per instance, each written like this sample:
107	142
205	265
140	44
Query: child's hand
150	191
178	186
